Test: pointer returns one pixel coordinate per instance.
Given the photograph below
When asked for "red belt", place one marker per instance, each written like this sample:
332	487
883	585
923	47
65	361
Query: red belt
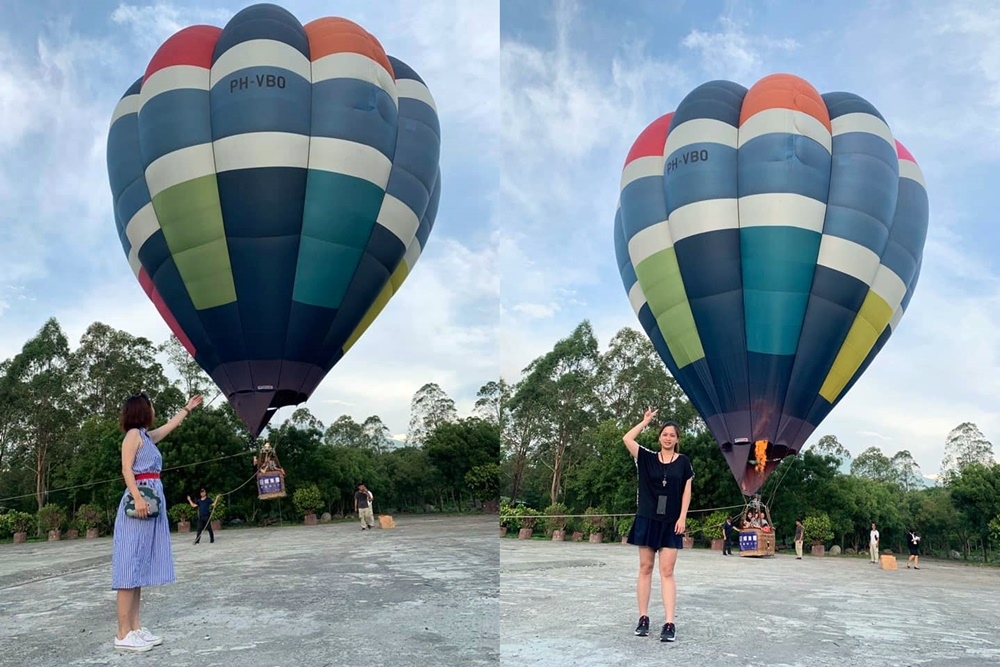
147	475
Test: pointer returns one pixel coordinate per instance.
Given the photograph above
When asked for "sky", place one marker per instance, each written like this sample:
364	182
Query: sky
63	68
580	80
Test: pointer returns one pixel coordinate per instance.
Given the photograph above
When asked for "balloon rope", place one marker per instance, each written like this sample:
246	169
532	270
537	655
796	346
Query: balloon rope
119	477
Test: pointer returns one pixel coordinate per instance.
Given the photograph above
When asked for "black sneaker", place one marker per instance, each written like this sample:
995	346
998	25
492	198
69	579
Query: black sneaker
667	634
642	630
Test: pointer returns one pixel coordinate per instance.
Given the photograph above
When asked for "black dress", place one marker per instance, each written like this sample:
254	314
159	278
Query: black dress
914	546
655	480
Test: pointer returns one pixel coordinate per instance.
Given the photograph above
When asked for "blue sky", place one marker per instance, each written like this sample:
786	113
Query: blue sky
63	67
580	80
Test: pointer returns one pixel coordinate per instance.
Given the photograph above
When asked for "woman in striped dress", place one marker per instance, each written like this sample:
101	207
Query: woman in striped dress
142	555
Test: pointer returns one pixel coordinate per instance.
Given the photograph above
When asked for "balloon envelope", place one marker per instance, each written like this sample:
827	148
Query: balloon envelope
769	241
273	186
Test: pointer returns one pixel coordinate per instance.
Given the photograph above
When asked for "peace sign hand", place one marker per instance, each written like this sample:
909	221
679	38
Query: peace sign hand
650	413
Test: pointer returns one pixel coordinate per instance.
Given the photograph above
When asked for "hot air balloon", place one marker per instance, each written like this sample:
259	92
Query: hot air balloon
273	186
769	241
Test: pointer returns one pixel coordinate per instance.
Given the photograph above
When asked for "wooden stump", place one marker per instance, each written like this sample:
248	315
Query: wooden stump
54	535
72	534
717	545
818	550
887	562
95	532
577	536
558	535
596	538
385	522
20	538
311	520
216	525
503	531
183	526
524	534
688	542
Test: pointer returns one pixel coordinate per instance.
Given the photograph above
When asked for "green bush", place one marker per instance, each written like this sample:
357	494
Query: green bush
180	512
691	526
528	515
593	521
510	515
20	522
51	517
712	527
817	528
87	517
307	500
556	523
624	525
220	508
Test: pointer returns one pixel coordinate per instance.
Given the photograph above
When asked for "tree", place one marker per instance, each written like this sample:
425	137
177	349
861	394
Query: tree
631	377
489	401
829	445
873	464
345	432
560	388
193	380
965	444
111	365
455	448
376	435
907	471
520	426
430	407
47	411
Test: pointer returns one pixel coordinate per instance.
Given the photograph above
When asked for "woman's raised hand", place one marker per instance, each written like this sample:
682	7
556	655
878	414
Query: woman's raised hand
650	413
193	402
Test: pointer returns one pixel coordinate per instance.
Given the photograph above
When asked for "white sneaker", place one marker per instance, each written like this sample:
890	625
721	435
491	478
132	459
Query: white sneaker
148	636
132	642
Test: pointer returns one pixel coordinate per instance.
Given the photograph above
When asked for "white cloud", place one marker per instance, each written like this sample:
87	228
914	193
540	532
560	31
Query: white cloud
733	54
151	25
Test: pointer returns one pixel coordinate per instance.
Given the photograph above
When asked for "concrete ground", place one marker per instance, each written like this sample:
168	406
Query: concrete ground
422	594
564	603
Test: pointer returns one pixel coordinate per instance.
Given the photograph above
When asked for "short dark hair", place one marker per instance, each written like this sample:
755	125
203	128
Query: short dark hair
137	412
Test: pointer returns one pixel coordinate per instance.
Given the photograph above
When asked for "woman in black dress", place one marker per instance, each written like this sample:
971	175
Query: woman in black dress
663	498
914	542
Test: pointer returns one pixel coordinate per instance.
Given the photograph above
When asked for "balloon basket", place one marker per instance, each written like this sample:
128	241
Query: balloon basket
755	542
270	485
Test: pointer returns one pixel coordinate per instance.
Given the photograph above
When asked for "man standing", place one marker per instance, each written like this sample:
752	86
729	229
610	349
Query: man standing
873	544
799	533
727	533
363	506
204	506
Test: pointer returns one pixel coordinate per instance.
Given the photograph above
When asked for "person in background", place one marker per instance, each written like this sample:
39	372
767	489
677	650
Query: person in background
914	544
204	506
873	538
363	506
727	534
799	534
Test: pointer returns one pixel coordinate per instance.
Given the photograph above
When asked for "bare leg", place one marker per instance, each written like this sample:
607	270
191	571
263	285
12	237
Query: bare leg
126	600
668	587
137	593
645	583
916	561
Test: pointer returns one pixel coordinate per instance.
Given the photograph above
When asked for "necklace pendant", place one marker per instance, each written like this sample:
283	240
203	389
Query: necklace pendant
664	482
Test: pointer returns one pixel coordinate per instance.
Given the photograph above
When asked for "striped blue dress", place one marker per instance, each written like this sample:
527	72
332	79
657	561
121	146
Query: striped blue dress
142	553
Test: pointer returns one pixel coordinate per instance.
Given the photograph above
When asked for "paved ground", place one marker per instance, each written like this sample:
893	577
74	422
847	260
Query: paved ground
422	594
574	604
